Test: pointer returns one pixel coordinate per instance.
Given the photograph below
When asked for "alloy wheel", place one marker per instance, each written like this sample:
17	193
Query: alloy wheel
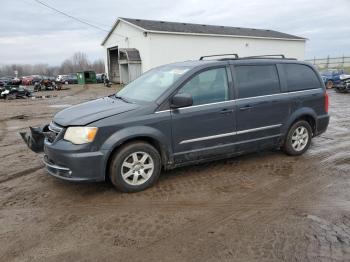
300	138
137	168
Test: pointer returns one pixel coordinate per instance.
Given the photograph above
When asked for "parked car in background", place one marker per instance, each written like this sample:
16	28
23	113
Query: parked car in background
59	77
4	80
184	113
31	80
102	78
67	79
99	78
332	77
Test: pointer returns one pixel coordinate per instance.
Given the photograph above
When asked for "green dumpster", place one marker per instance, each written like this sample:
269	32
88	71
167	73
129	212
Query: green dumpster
86	77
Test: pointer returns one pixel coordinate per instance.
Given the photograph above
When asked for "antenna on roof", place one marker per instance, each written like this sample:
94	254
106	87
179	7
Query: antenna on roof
235	55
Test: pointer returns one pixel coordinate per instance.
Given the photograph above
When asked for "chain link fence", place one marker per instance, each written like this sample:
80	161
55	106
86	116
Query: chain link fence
331	62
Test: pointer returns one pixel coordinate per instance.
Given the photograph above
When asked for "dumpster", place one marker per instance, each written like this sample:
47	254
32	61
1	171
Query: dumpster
86	77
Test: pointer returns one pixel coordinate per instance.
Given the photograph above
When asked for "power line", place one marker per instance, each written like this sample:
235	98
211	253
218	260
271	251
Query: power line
70	16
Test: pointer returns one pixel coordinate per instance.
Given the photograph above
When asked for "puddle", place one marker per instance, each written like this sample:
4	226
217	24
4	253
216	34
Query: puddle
60	106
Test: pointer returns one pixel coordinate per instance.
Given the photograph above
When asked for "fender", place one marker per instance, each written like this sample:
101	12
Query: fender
133	132
304	111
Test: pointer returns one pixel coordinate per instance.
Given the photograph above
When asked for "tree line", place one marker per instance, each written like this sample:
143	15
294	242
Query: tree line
77	62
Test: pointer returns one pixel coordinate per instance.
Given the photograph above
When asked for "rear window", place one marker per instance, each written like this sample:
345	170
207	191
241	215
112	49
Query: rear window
256	80
300	77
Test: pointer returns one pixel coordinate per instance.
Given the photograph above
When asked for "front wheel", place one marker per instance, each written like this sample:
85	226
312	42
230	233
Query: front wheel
298	139
135	167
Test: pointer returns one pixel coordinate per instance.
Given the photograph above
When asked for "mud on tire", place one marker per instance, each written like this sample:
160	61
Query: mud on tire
135	167
298	138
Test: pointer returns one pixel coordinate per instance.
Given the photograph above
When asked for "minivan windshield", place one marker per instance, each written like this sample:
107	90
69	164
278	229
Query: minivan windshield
152	84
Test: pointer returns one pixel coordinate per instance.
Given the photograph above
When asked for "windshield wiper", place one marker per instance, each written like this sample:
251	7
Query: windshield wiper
121	98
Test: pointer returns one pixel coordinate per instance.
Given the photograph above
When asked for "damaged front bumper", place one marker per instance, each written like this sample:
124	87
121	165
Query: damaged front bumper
35	138
63	159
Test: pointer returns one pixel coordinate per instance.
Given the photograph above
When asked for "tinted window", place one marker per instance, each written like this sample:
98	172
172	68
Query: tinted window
208	87
256	80
300	77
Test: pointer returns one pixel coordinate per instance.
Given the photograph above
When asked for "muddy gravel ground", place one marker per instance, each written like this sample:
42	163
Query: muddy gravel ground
259	207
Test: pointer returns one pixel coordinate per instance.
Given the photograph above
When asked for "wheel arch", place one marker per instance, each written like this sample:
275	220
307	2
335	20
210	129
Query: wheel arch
146	134
306	114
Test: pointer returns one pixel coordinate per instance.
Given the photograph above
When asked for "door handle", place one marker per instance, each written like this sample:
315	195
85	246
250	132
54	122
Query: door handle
226	111
247	107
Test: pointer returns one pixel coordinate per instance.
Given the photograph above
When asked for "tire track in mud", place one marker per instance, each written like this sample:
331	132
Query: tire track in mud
176	205
3	129
21	173
222	216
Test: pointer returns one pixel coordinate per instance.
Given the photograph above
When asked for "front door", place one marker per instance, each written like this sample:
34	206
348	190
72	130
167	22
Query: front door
206	128
260	107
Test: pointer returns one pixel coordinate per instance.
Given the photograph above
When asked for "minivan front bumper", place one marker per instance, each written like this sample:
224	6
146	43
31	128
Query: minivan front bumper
64	161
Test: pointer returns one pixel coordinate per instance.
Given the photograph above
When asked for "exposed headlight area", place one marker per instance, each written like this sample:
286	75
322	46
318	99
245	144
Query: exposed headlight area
80	134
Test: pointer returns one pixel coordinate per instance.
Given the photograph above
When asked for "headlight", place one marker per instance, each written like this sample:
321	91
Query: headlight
80	134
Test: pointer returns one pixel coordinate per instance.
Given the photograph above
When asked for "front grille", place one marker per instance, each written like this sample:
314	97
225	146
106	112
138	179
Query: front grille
53	132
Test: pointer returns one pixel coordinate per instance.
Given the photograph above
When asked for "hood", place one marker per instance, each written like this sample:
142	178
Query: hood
85	113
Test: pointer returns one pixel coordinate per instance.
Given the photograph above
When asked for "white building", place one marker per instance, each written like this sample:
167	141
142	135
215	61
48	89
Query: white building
134	46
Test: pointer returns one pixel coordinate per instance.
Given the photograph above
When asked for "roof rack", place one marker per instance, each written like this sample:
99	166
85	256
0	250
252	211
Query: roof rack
263	56
235	55
269	56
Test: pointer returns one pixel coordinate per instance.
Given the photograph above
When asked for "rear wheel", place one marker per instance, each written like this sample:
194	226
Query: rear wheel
135	167
298	139
329	84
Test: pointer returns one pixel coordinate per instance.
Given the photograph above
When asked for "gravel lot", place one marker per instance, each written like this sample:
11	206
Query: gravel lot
259	207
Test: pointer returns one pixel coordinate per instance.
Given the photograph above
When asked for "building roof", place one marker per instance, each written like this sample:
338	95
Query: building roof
154	26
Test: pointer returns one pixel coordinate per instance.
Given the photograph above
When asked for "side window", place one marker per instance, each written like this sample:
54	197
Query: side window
300	77
256	80
208	87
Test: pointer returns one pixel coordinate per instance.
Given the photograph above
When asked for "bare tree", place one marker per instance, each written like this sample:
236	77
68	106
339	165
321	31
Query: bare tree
77	62
98	66
80	61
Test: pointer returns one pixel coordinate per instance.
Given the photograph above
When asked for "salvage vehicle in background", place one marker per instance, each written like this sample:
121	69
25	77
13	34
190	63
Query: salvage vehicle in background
46	84
332	77
185	113
343	86
13	92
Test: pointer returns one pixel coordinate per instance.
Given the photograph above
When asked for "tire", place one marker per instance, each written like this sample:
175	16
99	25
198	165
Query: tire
300	131
329	84
139	172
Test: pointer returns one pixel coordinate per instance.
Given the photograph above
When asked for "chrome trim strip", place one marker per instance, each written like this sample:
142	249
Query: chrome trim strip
207	138
228	134
240	99
226	145
257	129
55	166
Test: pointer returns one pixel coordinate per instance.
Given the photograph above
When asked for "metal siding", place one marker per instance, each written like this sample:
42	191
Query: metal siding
134	71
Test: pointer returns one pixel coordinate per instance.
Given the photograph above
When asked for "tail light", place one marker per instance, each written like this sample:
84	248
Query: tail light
326	102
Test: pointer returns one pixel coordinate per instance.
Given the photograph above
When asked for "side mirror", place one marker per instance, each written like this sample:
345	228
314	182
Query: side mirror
181	100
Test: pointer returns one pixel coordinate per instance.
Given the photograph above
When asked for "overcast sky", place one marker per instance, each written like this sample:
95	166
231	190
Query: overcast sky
32	33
